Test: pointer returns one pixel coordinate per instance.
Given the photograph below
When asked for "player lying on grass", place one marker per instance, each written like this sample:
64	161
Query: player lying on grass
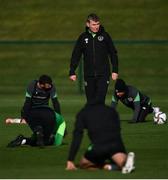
47	125
134	99
103	126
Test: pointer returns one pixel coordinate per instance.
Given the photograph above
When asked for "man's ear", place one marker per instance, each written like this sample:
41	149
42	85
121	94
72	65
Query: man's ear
87	24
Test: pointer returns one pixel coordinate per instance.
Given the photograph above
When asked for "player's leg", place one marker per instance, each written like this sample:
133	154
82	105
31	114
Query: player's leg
35	122
49	125
122	160
92	159
102	84
90	89
22	140
119	159
59	130
145	110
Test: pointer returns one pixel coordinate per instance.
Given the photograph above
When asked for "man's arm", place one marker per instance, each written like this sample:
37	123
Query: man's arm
113	56
76	55
77	138
26	108
56	105
28	101
137	108
114	101
55	102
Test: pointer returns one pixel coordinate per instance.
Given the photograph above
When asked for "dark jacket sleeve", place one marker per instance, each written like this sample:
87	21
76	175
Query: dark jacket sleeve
76	55
56	105
77	138
113	54
114	101
137	107
26	108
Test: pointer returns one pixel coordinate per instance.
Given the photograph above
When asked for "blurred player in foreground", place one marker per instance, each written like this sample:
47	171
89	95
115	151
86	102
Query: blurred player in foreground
47	124
103	126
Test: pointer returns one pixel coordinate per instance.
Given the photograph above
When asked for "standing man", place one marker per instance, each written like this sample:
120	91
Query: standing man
134	99
47	124
97	47
103	128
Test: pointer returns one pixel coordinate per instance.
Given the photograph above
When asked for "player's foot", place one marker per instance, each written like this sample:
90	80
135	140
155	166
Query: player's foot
129	165
156	109
16	142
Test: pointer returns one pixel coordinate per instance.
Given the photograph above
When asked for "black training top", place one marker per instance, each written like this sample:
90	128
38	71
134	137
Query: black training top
36	97
133	99
96	49
102	123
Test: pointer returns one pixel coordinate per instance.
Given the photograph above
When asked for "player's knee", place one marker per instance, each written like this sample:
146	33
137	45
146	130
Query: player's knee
120	159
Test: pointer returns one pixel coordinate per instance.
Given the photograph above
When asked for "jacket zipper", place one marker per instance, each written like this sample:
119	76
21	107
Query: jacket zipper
94	60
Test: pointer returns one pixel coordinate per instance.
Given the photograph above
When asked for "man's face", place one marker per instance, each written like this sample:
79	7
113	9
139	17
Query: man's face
45	86
93	26
120	94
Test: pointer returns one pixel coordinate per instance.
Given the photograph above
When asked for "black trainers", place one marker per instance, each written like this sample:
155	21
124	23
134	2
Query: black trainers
16	142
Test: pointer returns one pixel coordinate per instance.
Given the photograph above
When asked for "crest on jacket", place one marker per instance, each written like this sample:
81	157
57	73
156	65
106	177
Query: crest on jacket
100	38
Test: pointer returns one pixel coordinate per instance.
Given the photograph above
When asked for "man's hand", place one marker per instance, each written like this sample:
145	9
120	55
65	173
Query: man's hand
72	77
70	166
114	76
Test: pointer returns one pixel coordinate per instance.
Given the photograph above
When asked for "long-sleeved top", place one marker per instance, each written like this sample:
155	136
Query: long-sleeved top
133	99
96	49
36	97
102	124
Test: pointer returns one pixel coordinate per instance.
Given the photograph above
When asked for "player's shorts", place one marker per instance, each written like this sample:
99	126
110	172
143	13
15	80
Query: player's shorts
98	154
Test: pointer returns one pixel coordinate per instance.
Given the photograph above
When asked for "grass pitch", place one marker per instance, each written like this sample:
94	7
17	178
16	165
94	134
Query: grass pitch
141	65
138	66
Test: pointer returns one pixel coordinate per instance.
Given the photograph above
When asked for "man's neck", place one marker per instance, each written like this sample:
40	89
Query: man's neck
92	33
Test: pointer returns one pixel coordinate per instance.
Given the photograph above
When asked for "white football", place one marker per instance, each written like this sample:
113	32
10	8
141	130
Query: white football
159	118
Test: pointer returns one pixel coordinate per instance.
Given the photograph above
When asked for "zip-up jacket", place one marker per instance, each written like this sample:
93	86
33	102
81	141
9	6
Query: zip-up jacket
96	52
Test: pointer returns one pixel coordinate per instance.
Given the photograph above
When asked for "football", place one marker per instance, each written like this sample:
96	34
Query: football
159	118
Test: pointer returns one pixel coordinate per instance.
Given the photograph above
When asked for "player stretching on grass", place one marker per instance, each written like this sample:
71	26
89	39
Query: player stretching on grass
48	125
134	99
103	126
96	46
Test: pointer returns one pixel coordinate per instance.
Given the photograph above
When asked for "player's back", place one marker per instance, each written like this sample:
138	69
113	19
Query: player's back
101	121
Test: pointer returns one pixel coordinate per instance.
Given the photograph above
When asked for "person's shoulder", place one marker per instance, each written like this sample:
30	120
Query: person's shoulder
83	35
132	90
32	83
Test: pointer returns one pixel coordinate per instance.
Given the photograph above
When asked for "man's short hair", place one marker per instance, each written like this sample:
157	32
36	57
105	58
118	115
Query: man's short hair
45	79
93	17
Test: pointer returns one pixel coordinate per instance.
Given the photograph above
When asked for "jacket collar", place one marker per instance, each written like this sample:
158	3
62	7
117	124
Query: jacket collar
101	29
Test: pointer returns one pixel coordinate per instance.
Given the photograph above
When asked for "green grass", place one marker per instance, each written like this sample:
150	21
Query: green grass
143	65
41	19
